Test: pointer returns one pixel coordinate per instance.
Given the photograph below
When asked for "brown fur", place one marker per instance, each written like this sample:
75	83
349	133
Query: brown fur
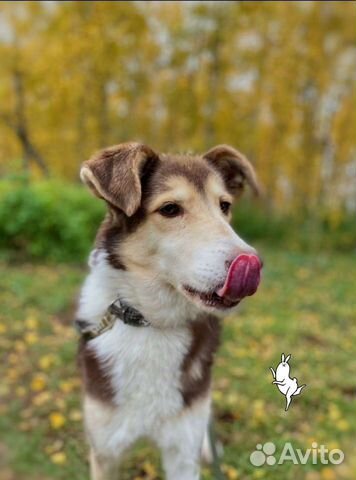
205	341
193	169
114	174
108	237
234	168
95	376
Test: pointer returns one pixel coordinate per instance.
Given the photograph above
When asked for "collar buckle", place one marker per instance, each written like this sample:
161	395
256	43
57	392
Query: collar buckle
129	315
116	310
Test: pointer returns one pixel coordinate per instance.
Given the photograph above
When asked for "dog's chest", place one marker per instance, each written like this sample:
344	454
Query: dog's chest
144	366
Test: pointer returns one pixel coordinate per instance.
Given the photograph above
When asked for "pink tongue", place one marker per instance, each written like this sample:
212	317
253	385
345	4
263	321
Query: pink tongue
242	278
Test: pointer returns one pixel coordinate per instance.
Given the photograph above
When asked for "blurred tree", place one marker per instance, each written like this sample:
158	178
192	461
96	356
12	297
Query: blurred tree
275	79
15	89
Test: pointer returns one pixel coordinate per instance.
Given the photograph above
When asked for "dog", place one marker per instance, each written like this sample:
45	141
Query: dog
166	266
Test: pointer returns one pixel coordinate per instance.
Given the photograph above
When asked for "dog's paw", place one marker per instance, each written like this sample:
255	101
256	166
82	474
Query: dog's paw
207	455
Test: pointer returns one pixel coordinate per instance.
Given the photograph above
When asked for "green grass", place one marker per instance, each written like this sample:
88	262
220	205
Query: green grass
306	306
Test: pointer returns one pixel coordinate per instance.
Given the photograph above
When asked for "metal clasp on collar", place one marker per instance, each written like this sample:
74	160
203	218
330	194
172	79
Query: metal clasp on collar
127	314
116	310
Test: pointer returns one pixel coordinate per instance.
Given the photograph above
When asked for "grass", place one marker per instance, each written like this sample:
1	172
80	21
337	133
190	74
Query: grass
306	306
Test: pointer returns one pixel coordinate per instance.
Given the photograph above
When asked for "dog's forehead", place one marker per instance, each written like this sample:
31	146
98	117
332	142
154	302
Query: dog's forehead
193	170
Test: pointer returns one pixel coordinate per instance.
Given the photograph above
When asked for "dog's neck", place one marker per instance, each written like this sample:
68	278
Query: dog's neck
157	301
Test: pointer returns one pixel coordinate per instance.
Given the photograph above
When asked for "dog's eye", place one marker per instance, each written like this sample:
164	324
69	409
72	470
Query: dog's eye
225	207
170	210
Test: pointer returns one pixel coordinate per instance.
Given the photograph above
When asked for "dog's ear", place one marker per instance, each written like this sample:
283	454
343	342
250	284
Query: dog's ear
114	174
234	167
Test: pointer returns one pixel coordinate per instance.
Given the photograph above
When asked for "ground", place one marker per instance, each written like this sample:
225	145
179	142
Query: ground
305	306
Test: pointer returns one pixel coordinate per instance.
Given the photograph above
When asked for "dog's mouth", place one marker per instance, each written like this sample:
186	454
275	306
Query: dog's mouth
242	280
210	299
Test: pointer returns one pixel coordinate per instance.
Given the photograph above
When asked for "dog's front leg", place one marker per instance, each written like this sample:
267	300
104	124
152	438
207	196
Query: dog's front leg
180	464
103	467
181	440
107	436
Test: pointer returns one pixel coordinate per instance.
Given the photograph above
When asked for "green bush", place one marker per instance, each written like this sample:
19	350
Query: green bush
253	222
48	219
309	232
57	221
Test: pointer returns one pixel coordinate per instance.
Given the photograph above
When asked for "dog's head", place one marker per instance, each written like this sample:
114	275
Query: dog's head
169	219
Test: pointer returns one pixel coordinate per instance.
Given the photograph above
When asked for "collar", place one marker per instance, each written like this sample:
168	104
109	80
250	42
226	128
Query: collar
117	310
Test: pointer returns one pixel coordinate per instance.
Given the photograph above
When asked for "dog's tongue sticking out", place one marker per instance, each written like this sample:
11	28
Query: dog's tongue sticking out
242	278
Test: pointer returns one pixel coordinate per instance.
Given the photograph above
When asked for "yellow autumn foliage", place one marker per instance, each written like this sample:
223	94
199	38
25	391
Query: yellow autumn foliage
275	79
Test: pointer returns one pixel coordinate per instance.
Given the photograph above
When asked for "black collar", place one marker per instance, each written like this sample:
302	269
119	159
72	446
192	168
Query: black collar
117	310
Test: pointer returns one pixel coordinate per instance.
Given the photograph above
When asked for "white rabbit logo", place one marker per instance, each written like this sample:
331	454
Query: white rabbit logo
286	385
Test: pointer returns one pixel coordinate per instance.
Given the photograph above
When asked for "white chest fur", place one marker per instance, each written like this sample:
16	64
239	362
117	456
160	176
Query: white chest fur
145	367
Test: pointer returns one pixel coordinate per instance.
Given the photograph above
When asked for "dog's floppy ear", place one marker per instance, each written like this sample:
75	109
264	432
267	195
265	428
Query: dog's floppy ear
234	167
114	174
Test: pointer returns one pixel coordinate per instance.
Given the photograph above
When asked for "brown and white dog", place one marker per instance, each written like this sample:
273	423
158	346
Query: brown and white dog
165	248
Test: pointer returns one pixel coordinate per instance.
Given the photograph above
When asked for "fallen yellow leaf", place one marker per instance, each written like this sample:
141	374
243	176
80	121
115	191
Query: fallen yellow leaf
46	361
57	420
31	338
38	383
59	458
328	473
3	328
31	323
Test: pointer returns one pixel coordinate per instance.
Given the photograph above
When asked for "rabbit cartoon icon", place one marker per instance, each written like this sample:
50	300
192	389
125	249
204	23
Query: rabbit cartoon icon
286	385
